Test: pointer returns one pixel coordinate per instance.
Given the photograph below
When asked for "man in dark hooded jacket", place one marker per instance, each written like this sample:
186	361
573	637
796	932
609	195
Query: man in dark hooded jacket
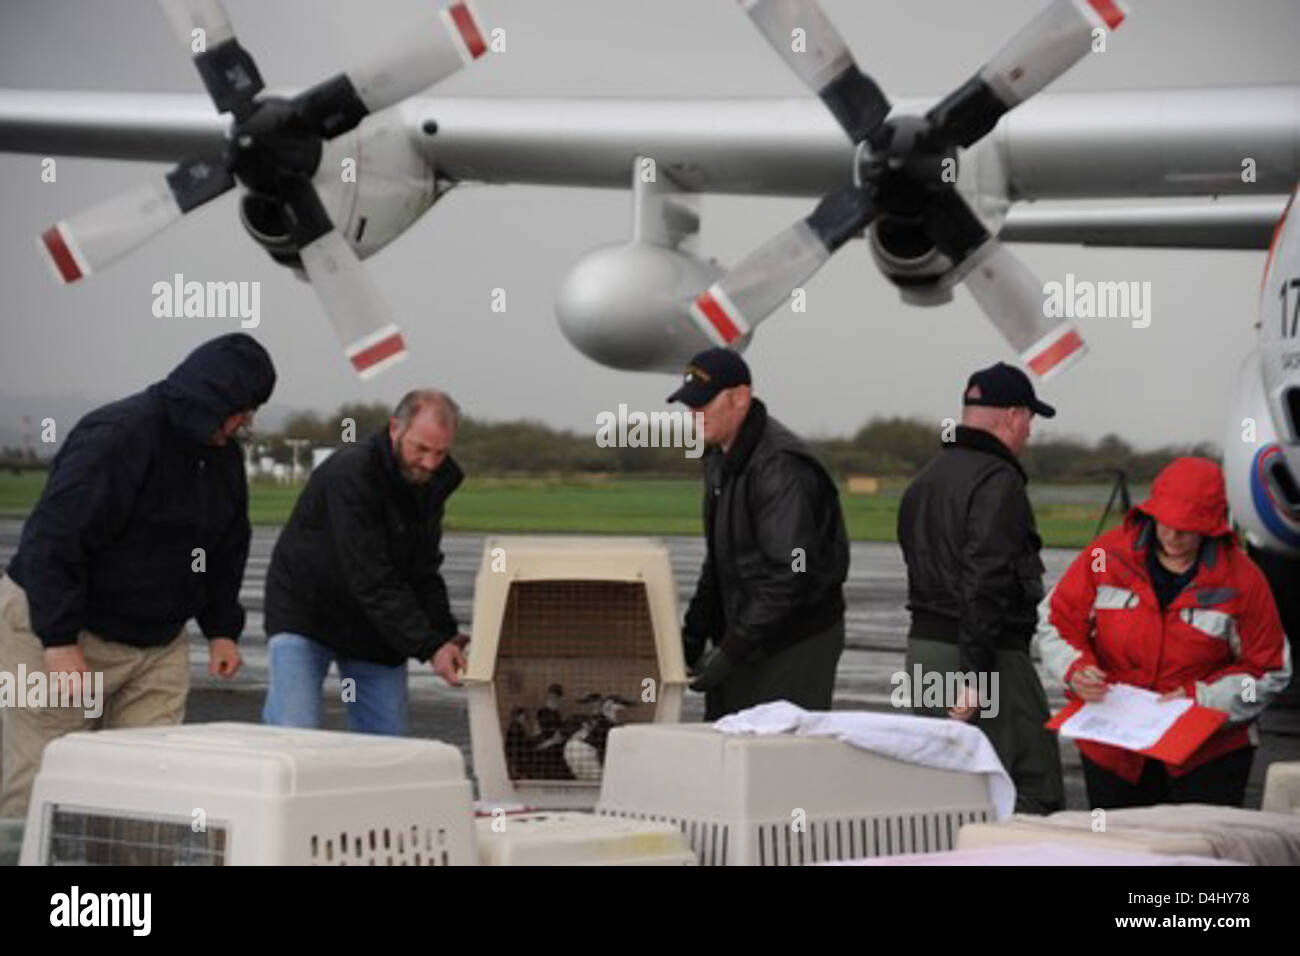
142	525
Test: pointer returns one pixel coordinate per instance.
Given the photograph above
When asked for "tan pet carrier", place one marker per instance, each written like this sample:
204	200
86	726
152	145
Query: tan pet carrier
1282	787
227	794
573	636
568	838
782	799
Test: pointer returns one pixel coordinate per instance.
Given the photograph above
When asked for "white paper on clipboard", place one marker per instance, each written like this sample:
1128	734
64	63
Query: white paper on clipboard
1127	717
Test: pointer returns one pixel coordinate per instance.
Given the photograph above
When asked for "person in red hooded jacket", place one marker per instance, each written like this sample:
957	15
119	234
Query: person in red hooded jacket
1169	602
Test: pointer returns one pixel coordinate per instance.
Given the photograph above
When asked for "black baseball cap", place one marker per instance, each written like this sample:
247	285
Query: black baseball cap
1005	386
709	373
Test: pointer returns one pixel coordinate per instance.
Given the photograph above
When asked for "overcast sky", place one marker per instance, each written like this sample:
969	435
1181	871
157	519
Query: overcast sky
859	352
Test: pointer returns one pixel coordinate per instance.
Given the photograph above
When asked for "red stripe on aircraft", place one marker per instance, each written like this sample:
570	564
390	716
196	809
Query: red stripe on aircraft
469	31
1272	245
58	251
1057	352
384	348
1109	11
720	320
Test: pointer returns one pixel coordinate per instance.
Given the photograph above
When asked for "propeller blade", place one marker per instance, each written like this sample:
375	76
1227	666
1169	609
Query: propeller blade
730	308
824	63
226	68
1012	297
953	226
95	237
360	316
418	62
1008	292
1057	38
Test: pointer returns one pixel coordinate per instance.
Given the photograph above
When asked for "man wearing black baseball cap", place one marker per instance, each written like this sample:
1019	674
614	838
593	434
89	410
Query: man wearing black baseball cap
770	598
975	579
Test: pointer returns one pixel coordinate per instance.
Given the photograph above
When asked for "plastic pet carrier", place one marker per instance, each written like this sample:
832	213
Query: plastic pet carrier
573	636
236	794
782	799
567	838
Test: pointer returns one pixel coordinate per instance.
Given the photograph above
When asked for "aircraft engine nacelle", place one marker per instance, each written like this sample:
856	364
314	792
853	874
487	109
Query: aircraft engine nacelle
1263	475
373	182
907	256
909	260
627	306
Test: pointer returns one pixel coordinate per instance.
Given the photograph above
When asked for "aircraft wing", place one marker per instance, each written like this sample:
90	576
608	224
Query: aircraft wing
1214	222
1201	168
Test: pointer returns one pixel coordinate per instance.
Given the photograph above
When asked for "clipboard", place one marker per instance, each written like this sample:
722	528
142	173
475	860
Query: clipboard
1179	742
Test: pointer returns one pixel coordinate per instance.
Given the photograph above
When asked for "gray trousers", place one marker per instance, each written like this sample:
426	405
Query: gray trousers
803	674
1027	749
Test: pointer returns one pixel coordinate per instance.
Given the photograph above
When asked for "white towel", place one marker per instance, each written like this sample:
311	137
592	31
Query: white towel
943	744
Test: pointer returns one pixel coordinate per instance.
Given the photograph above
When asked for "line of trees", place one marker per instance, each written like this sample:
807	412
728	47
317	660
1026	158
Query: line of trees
884	447
15	460
901	446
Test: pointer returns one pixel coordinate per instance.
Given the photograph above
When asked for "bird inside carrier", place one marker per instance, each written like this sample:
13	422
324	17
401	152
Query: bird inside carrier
573	636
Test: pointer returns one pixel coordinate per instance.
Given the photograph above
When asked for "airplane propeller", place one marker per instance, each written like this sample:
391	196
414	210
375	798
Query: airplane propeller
899	181
273	151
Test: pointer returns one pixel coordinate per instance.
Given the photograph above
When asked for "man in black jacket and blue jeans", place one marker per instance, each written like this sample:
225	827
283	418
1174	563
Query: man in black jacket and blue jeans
771	593
354	577
142	524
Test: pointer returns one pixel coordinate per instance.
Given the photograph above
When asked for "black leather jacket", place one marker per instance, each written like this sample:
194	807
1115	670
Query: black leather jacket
974	575
763	499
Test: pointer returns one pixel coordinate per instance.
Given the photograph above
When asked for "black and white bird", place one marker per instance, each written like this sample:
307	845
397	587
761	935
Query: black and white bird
520	742
584	751
580	754
549	718
611	710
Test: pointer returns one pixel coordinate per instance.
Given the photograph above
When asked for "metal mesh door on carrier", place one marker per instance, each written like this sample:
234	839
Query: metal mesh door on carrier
573	636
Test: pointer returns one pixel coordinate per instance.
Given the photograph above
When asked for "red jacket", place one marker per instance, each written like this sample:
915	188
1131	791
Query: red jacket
1213	640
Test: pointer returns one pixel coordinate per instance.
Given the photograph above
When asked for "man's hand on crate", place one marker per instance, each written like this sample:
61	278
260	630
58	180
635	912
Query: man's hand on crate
449	661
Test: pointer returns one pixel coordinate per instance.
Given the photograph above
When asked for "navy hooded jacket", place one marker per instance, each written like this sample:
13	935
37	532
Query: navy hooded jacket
111	545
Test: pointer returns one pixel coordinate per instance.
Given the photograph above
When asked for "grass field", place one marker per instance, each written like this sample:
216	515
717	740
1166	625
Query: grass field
1067	515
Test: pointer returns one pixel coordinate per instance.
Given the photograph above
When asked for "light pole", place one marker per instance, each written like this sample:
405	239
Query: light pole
296	444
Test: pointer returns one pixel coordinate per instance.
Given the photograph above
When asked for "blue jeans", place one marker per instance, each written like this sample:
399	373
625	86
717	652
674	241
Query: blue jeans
296	669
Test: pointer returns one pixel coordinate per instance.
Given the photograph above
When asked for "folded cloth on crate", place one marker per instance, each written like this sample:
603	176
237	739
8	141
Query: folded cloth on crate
943	744
1247	836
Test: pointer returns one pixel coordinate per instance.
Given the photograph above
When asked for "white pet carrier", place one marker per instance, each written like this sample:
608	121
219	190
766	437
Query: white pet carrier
1282	787
1026	828
572	637
1185	829
579	839
235	794
782	799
